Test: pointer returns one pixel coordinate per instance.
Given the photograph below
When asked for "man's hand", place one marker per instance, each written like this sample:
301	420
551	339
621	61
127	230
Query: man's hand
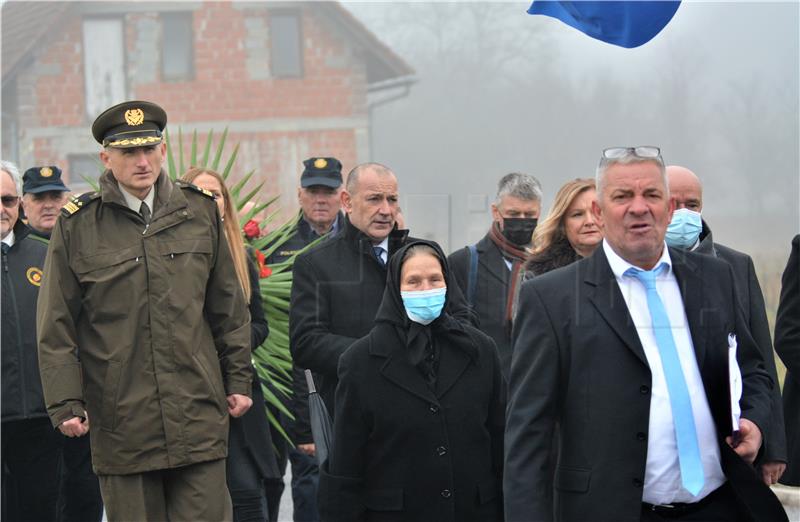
750	441
307	449
238	404
772	471
75	427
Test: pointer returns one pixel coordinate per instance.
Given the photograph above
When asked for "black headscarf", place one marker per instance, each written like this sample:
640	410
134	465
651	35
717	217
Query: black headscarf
423	342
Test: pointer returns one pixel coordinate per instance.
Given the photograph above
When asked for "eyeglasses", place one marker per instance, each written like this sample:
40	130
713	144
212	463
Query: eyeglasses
642	151
9	201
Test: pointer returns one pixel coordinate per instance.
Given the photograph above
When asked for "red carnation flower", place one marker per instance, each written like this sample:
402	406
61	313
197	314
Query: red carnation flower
265	271
251	229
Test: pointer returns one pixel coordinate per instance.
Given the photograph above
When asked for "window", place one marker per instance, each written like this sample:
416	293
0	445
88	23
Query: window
286	45
82	168
104	64
177	47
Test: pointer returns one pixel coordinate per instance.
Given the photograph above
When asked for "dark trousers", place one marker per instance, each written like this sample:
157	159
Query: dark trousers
719	506
273	487
80	499
305	482
31	456
244	479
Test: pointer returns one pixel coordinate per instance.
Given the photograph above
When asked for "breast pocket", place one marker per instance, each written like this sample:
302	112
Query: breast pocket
104	277
186	266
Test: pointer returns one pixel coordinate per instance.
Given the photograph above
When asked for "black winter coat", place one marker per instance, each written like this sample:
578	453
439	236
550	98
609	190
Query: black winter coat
22	274
404	449
337	288
787	344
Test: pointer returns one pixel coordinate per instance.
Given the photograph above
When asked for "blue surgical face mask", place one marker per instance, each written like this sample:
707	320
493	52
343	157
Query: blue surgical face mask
684	229
423	306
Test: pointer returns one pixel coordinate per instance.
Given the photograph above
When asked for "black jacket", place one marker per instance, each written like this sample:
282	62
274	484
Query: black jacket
22	273
751	300
300	428
337	288
490	293
407	449
254	424
787	344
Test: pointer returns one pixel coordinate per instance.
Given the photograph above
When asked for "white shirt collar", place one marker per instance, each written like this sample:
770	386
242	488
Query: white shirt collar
135	203
619	266
9	239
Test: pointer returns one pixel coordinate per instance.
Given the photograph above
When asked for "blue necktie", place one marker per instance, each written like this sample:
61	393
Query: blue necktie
379	254
692	475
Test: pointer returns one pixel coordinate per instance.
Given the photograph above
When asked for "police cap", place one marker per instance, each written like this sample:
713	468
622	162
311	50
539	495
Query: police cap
130	124
43	179
321	171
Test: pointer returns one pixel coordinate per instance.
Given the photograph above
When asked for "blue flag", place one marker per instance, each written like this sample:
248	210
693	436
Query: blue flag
626	24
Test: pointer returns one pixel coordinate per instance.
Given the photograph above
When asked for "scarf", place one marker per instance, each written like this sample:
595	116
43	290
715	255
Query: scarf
517	255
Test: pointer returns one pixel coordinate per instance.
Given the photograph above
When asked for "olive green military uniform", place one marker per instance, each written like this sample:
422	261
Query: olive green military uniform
146	328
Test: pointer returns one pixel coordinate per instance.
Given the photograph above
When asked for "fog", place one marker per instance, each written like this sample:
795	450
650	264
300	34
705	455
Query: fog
499	90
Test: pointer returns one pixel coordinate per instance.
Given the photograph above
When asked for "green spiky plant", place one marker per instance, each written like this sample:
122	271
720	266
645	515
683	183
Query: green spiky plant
272	360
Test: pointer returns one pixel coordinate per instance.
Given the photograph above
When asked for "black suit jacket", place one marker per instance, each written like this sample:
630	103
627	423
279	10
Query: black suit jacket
755	314
337	288
787	344
578	363
491	293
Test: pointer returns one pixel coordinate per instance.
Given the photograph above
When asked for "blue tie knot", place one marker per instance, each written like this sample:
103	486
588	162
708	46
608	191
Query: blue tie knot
379	250
646	277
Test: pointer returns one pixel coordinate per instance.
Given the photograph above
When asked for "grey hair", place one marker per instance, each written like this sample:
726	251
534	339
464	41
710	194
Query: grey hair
14	172
519	185
353	175
627	159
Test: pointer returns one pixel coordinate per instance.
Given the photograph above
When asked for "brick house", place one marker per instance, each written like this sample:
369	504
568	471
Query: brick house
288	79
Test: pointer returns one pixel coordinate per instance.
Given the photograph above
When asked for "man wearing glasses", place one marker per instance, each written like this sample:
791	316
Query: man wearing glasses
625	355
31	448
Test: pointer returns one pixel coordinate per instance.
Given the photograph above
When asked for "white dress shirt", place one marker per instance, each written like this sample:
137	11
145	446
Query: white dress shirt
135	203
385	252
662	479
9	239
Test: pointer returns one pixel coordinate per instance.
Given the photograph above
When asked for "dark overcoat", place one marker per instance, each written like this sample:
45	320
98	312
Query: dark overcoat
579	367
754	310
491	293
337	287
405	450
787	344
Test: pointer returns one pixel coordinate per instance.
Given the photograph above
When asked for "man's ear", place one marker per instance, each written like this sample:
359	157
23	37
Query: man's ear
105	158
597	212
347	201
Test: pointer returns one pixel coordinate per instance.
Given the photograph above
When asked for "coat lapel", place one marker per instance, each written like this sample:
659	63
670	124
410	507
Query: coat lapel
452	365
399	371
691	287
490	258
605	296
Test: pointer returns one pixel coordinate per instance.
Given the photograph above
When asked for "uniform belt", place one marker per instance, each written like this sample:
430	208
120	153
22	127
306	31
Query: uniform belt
679	509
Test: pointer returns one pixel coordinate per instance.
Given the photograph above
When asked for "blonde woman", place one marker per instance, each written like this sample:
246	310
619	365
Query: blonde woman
569	232
250	455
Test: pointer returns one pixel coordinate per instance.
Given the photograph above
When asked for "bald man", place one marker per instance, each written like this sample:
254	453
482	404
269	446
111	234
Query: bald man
688	231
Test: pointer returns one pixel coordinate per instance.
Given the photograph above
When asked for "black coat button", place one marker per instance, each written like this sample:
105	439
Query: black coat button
638	482
434	408
446	493
644	390
441	451
641	436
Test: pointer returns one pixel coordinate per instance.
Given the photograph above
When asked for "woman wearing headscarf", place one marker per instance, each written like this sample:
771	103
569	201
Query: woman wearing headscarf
420	407
250	454
568	233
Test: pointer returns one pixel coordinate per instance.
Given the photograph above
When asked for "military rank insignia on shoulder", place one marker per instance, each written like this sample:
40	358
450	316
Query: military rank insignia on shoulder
78	202
191	186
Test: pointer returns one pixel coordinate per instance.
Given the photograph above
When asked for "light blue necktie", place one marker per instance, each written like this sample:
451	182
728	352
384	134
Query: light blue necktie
379	254
692	475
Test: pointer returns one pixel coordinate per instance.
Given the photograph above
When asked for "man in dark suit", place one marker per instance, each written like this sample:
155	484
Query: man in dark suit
488	271
625	354
338	285
787	344
688	231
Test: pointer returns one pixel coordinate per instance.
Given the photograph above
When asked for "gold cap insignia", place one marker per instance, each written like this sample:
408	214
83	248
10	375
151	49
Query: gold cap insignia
134	117
34	276
45	172
320	163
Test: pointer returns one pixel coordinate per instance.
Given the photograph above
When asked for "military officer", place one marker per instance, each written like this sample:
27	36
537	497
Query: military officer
143	329
43	195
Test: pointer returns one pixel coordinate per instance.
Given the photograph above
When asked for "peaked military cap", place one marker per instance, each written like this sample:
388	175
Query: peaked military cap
321	171
43	179
130	124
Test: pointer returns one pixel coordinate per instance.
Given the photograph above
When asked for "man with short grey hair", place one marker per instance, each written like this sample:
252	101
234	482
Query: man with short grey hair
488	271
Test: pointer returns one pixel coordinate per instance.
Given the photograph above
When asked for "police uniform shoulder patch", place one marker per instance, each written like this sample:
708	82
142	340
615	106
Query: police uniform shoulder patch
191	186
77	203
